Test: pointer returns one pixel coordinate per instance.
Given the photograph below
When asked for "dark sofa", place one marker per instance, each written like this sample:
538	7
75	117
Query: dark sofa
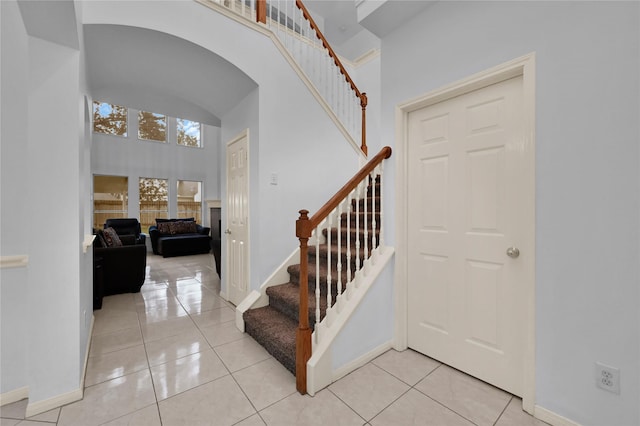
179	237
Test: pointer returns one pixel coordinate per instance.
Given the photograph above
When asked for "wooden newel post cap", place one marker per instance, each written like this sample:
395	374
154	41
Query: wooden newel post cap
363	100
303	228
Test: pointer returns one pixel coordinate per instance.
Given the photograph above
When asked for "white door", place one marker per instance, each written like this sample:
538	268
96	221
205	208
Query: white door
237	224
466	298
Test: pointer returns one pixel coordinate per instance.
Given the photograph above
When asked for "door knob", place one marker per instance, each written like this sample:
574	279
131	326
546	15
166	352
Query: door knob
227	231
513	252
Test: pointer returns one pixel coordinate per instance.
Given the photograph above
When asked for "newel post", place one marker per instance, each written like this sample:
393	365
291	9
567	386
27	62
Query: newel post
261	11
303	335
363	104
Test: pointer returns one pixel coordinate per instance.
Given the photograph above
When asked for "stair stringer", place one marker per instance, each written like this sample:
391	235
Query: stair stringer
320	370
259	298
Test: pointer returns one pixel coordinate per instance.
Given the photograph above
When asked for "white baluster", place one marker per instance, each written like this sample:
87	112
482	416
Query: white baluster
374	242
329	223
357	233
366	219
339	265
318	231
381	173
349	276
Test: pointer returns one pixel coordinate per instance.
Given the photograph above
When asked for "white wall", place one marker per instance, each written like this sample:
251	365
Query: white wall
13	186
53	180
297	140
44	326
587	183
135	158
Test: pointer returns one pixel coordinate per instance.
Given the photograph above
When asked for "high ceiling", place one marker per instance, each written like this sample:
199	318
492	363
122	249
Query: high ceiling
154	71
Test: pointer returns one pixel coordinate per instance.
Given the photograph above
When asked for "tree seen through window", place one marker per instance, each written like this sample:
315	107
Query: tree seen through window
109	119
152	126
188	132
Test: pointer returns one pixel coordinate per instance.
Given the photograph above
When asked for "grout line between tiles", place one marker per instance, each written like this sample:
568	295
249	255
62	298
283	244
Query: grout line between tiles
503	410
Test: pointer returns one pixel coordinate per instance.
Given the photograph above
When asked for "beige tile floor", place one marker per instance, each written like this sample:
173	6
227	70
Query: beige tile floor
171	355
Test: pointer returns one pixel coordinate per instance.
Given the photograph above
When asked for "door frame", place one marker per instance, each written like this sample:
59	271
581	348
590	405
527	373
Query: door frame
525	67
224	292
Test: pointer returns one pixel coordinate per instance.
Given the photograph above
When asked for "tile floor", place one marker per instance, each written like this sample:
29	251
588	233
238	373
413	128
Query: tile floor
171	355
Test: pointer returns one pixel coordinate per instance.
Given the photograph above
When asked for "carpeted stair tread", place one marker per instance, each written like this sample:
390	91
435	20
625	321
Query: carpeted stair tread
360	216
285	299
276	332
294	273
324	248
353	235
369	201
275	326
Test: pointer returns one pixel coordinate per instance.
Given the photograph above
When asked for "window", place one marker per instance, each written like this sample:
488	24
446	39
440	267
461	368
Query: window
190	199
154	201
110	199
109	119
152	126
188	133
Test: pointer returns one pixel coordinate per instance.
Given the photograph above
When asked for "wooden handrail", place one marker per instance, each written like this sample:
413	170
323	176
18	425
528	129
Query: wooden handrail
348	187
343	71
326	45
304	229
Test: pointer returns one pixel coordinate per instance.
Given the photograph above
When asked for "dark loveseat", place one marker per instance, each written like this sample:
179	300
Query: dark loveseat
179	237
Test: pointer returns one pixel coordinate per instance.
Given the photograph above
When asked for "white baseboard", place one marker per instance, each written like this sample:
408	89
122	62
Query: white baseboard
223	294
14	396
45	405
86	354
552	418
40	407
359	362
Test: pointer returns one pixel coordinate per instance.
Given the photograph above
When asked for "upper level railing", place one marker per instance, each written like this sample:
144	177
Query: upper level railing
352	219
292	23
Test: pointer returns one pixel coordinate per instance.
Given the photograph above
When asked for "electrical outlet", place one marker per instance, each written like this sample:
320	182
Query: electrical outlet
608	378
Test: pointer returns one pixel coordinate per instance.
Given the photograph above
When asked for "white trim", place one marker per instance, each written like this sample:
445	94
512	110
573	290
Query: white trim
86	243
359	362
319	367
14	395
86	354
19	261
43	406
362	59
35	408
259	298
552	418
524	66
214	204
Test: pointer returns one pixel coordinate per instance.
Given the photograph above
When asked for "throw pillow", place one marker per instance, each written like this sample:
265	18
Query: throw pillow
111	237
181	227
164	227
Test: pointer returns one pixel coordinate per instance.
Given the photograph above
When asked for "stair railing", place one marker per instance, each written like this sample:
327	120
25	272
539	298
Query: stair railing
368	240
292	23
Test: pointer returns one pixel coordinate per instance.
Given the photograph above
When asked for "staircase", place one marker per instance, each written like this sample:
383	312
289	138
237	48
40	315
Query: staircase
274	326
